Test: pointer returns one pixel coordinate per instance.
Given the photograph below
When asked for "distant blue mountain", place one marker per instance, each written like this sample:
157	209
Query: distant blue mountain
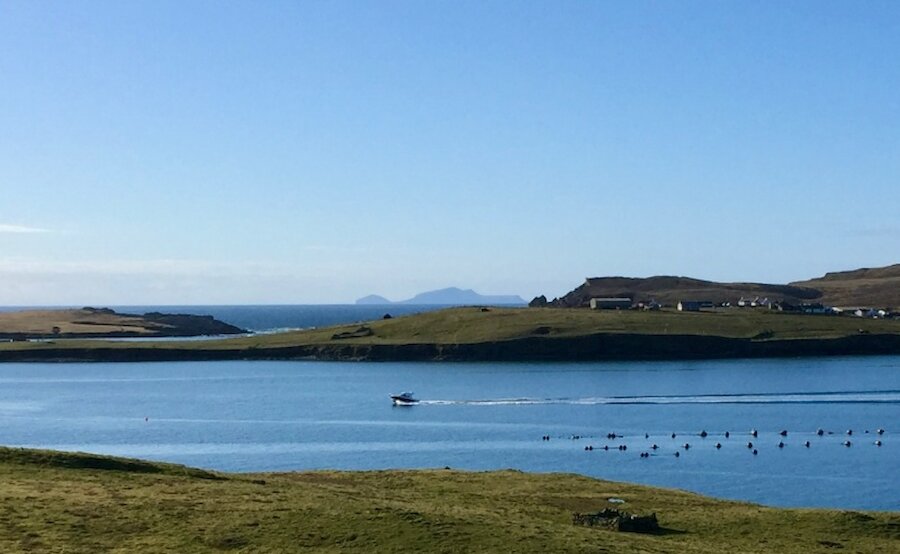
373	299
451	296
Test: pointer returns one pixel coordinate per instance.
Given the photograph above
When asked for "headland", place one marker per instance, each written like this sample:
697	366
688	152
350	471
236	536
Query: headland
516	334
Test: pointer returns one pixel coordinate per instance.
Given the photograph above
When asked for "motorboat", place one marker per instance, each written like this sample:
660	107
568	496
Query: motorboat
404	399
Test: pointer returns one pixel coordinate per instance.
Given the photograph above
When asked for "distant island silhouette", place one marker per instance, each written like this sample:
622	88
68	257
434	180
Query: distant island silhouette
451	296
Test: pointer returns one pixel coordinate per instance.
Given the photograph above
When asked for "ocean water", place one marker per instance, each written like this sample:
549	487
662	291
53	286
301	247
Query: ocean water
278	416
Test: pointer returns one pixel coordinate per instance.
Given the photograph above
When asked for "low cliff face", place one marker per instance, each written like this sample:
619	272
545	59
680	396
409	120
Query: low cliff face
603	347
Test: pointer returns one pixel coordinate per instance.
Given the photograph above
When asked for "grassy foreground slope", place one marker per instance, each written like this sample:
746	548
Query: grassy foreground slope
56	502
519	334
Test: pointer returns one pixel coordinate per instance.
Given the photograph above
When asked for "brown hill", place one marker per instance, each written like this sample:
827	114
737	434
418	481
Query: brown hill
669	290
870	287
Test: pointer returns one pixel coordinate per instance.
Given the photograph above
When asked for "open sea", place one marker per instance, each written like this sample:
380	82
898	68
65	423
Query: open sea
279	416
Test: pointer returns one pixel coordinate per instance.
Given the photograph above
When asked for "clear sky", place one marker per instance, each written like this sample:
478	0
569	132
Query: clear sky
194	152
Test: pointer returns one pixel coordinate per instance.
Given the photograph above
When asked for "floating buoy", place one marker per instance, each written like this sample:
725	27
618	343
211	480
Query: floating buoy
654	447
780	444
806	444
820	432
718	445
673	435
755	452
754	432
727	434
849	432
677	453
783	433
687	446
749	445
877	443
846	443
703	434
880	431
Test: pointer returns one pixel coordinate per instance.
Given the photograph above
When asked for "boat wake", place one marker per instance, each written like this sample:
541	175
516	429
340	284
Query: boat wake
843	397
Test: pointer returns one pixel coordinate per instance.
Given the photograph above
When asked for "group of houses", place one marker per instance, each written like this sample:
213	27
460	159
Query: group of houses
625	303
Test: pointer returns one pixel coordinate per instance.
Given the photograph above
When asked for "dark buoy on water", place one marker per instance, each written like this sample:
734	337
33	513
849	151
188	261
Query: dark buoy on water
727	434
847	443
755	452
703	434
783	433
877	443
754	432
806	444
718	445
849	432
780	444
820	432
880	431
677	453
673	435
654	447
749	445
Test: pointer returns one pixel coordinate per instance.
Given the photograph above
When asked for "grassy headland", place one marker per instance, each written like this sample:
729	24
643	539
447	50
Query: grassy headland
518	334
103	322
58	502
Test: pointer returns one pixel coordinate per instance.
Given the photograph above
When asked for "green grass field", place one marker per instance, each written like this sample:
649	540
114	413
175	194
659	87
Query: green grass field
474	326
56	502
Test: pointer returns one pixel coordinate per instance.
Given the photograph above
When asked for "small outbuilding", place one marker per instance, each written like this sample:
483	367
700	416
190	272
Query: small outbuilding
611	303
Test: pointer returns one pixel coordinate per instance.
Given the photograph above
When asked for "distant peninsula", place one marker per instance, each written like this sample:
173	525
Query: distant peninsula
451	296
103	322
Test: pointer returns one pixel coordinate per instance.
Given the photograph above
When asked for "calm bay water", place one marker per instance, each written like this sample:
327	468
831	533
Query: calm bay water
261	416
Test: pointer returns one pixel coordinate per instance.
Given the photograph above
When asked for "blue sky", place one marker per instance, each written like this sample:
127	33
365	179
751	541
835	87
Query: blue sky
314	152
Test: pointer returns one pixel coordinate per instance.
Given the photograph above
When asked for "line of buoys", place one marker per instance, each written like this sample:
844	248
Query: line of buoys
703	434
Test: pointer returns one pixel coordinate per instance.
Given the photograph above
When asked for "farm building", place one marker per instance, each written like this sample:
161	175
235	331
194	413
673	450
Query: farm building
611	303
